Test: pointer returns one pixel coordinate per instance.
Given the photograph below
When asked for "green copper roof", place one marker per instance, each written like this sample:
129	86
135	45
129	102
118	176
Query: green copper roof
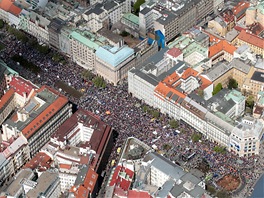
131	17
87	39
235	95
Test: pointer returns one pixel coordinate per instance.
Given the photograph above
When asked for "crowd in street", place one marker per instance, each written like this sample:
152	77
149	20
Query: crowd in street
127	117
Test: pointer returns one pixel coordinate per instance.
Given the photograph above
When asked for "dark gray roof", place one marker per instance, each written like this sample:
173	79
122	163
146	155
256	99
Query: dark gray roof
109	5
258	76
145	10
173	14
96	9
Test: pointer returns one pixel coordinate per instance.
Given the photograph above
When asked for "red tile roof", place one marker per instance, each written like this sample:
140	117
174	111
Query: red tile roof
251	39
119	181
45	115
240	9
65	166
138	194
221	46
90	180
88	185
174	52
40	160
228	16
8	6
7	97
21	85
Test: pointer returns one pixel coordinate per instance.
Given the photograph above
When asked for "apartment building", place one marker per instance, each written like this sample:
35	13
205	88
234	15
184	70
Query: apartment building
84	147
9	12
177	18
27	184
54	29
95	17
253	41
221	50
254	83
255	13
110	60
14	154
7	105
245	138
83	45
38	118
153	174
113	63
36	25
193	49
187	95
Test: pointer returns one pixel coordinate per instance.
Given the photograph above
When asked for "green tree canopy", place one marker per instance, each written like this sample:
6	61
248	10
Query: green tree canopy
137	6
99	82
250	102
217	88
155	114
196	137
232	84
219	149
145	108
174	124
87	75
1	23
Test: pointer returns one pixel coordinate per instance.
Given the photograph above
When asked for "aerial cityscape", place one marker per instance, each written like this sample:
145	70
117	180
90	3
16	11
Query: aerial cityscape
132	98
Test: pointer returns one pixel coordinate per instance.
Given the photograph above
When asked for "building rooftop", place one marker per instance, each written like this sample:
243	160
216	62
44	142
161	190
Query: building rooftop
44	183
9	6
258	76
6	98
114	55
41	160
22	86
174	52
164	165
235	95
131	17
251	39
240	65
217	70
15	146
221	46
110	35
95	9
16	186
86	38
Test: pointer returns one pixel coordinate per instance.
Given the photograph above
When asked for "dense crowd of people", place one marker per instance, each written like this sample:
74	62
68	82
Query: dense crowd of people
127	117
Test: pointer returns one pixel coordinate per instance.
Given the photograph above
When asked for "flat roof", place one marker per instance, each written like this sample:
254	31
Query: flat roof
85	40
44	182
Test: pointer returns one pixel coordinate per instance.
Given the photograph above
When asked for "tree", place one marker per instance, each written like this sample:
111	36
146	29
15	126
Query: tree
250	102
99	82
155	114
137	6
196	137
145	108
87	75
200	92
166	146
44	49
1	23
217	88
124	33
219	149
232	84
174	124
